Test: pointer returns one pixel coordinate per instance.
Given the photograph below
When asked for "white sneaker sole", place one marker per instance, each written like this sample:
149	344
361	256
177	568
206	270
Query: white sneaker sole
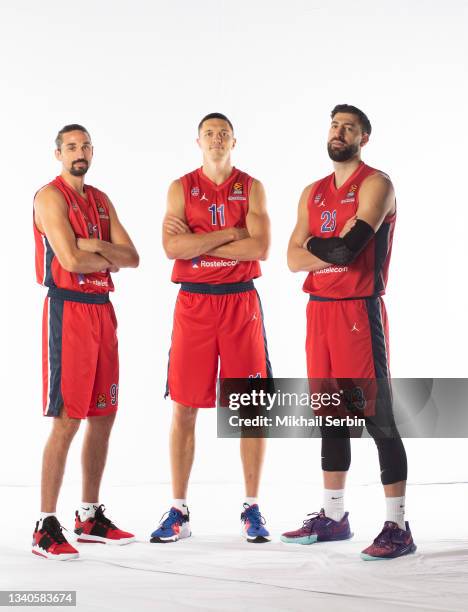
99	540
36	550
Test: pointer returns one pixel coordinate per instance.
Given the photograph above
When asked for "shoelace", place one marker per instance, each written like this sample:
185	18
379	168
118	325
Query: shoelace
100	518
54	529
385	537
310	523
254	515
172	517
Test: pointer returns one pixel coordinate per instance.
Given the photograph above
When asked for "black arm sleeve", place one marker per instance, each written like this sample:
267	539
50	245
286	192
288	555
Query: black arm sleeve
342	250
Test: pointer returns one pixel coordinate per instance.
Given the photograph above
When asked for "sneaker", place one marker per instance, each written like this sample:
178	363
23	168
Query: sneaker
49	541
319	528
100	529
175	526
391	542
253	525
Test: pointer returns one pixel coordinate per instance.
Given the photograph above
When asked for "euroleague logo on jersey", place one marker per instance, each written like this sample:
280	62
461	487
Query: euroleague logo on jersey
237	194
102	212
350	196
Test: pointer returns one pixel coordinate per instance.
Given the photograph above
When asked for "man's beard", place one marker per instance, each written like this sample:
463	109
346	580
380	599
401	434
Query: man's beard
343	154
79	171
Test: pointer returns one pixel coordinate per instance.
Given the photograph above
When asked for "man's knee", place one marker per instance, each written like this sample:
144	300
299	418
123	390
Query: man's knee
65	426
184	417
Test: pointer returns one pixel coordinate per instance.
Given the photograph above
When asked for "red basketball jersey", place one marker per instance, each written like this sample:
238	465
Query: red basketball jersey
89	218
329	208
210	207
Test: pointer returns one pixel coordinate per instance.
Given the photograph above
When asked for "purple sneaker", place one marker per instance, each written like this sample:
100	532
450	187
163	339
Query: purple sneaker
391	542
319	528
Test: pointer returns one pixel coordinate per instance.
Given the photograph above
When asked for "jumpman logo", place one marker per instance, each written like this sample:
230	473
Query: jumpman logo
355	328
203	198
254	317
322	203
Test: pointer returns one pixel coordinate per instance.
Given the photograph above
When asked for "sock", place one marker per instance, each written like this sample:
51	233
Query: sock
180	504
333	503
251	500
396	510
44	515
88	510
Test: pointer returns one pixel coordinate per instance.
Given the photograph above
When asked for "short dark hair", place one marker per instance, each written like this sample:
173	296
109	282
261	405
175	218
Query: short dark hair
69	128
353	110
215	116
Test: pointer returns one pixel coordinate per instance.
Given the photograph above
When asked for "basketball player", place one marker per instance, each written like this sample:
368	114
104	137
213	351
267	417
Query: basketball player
79	241
343	239
217	229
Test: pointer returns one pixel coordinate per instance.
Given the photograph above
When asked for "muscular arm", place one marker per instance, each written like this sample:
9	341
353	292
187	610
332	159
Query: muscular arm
186	245
256	245
299	259
119	251
376	201
51	218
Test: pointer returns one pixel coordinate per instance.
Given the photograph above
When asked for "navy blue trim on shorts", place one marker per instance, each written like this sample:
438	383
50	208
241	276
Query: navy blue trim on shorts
379	346
167	392
267	357
55	401
77	296
220	289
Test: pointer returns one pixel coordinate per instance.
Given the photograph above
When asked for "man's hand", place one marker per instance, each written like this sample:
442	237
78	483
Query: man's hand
175	225
350	223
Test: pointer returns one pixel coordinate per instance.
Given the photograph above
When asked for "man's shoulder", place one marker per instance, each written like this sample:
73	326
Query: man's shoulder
49	192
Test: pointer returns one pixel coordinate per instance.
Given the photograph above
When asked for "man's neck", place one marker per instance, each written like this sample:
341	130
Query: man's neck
76	182
217	172
343	170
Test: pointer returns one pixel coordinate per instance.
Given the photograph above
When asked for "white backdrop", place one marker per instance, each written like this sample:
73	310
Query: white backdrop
139	75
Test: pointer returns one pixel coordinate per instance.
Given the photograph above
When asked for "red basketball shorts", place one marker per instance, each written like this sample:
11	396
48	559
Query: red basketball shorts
79	355
347	345
215	323
347	339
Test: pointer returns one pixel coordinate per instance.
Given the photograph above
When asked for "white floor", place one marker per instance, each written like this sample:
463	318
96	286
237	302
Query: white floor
216	570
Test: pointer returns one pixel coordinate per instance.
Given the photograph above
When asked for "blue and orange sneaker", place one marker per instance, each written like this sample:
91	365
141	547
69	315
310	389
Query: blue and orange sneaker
391	542
253	525
175	526
319	528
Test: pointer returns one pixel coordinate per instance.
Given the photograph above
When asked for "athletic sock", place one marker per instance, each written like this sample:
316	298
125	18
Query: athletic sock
251	500
333	503
88	510
44	515
180	504
396	511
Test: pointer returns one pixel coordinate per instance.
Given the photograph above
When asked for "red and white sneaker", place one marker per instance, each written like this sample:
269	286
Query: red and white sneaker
50	543
100	529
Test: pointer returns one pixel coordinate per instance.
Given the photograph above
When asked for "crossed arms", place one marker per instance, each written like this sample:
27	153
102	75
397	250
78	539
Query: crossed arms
376	201
82	255
244	244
